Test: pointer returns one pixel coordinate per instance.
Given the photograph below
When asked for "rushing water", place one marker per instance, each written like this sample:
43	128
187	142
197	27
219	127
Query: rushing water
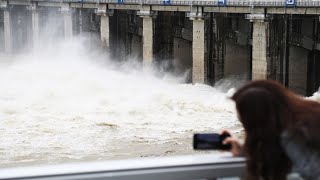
64	105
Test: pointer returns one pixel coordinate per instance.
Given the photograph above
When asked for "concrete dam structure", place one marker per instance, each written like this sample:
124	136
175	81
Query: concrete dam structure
258	39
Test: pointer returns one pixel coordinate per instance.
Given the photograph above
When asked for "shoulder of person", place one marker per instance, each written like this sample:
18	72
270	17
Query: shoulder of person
294	176
305	159
306	132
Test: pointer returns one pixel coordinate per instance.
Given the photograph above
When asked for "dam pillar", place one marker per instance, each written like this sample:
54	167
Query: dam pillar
147	42
7	28
198	48
147	37
104	28
104	14
35	25
259	46
67	17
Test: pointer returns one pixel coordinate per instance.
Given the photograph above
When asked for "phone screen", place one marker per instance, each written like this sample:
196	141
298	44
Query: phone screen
209	141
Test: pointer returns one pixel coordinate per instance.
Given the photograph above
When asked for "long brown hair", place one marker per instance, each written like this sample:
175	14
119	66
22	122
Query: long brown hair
266	109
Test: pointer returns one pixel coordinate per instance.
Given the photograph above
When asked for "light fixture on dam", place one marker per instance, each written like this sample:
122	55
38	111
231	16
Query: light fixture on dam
108	12
147	13
32	7
3	4
65	8
196	15
259	17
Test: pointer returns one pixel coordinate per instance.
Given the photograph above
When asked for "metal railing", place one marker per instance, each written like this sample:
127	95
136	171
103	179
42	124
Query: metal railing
207	166
232	3
219	3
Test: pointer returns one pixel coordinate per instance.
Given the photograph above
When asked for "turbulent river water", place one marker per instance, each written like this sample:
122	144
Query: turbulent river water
66	104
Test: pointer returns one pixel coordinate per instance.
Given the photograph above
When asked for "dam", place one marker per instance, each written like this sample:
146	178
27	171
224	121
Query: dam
273	39
68	104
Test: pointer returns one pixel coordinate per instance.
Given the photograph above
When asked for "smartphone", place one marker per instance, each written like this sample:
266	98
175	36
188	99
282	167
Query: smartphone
210	141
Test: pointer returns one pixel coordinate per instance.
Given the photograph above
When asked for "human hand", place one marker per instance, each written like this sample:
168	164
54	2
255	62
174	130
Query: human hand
236	146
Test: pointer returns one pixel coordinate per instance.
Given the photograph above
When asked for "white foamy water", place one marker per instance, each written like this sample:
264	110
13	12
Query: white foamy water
315	96
65	105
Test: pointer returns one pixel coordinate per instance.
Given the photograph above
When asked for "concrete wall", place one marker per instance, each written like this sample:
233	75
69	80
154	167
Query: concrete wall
136	47
298	56
119	41
51	25
163	37
21	29
244	25
236	59
182	51
298	63
307	27
237	53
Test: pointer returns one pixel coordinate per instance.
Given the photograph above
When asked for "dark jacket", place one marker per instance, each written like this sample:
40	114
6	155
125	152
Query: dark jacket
305	160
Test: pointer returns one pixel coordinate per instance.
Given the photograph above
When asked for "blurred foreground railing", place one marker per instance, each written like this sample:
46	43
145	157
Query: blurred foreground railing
178	167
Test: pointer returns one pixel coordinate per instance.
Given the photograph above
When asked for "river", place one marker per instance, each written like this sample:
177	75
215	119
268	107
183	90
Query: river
65	104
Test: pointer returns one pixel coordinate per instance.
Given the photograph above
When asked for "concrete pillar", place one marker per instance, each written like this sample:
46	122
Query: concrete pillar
7	31
259	46
198	62
67	24
104	13
35	29
33	7
67	16
104	28
147	42
259	50
80	22
147	36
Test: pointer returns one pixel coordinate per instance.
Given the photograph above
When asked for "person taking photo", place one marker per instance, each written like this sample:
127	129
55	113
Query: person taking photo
282	132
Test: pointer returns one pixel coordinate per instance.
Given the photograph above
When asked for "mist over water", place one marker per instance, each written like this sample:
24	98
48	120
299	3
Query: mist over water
68	101
67	104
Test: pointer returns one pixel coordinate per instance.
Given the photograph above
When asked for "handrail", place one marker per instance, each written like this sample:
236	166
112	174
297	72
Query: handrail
177	167
226	3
